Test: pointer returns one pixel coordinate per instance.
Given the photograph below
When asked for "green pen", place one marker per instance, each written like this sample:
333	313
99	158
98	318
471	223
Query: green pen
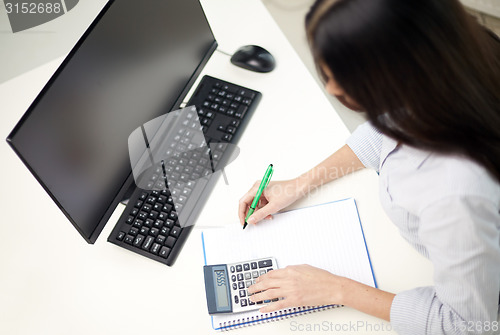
263	184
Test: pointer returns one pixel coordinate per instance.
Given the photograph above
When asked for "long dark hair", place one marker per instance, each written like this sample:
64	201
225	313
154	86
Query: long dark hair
426	73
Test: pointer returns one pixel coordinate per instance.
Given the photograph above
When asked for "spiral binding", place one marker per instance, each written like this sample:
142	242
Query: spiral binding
273	316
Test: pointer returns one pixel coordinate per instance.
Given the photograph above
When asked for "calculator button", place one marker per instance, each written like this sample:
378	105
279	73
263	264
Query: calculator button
248	283
240	275
235	287
243	302
262	272
232	269
243	293
236	299
248	275
241	285
255	274
269	270
246	266
265	263
253	265
250	302
239	268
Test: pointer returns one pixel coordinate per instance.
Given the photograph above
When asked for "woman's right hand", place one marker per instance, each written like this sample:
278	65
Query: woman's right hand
276	196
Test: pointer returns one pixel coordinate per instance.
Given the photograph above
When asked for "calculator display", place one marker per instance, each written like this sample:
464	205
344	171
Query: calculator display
221	288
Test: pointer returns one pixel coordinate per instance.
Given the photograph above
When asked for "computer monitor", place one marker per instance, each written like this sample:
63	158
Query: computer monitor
136	61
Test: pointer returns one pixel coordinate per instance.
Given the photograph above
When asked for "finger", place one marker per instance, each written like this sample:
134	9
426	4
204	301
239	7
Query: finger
245	202
274	306
261	213
263	285
266	295
273	274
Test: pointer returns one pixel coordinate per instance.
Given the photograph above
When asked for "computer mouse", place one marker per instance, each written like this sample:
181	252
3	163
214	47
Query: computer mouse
254	58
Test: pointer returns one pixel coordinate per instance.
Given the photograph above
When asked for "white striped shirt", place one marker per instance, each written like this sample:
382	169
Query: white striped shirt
448	208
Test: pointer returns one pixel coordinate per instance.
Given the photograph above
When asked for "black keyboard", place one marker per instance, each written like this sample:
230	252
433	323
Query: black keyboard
158	219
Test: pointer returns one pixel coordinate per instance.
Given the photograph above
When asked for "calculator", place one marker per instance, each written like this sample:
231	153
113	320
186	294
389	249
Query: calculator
226	285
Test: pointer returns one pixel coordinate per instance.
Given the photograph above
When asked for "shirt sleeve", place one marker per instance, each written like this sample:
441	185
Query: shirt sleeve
366	143
462	238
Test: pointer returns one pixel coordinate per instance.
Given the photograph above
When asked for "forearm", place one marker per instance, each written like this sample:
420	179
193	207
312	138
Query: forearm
367	299
340	163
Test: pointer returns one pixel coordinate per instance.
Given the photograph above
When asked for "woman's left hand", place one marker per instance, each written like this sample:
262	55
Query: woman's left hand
299	285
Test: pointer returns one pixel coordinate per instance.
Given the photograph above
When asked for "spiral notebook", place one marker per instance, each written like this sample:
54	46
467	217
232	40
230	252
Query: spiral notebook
328	236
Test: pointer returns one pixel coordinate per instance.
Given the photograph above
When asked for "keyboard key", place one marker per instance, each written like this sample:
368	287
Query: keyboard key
138	240
240	113
164	251
144	230
169	223
133	231
170	241
129	239
175	232
138	223
155	248
120	236
154	231
129	220
165	231
147	243
160	239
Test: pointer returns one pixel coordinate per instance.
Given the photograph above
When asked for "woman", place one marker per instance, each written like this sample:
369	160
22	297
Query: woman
428	77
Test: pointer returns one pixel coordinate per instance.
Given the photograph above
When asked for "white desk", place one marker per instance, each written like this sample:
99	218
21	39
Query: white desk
52	282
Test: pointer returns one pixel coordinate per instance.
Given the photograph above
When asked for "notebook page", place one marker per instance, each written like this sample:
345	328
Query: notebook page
327	236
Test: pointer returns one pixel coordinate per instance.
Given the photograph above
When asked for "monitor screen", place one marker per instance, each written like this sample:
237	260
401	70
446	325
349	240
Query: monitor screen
137	61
